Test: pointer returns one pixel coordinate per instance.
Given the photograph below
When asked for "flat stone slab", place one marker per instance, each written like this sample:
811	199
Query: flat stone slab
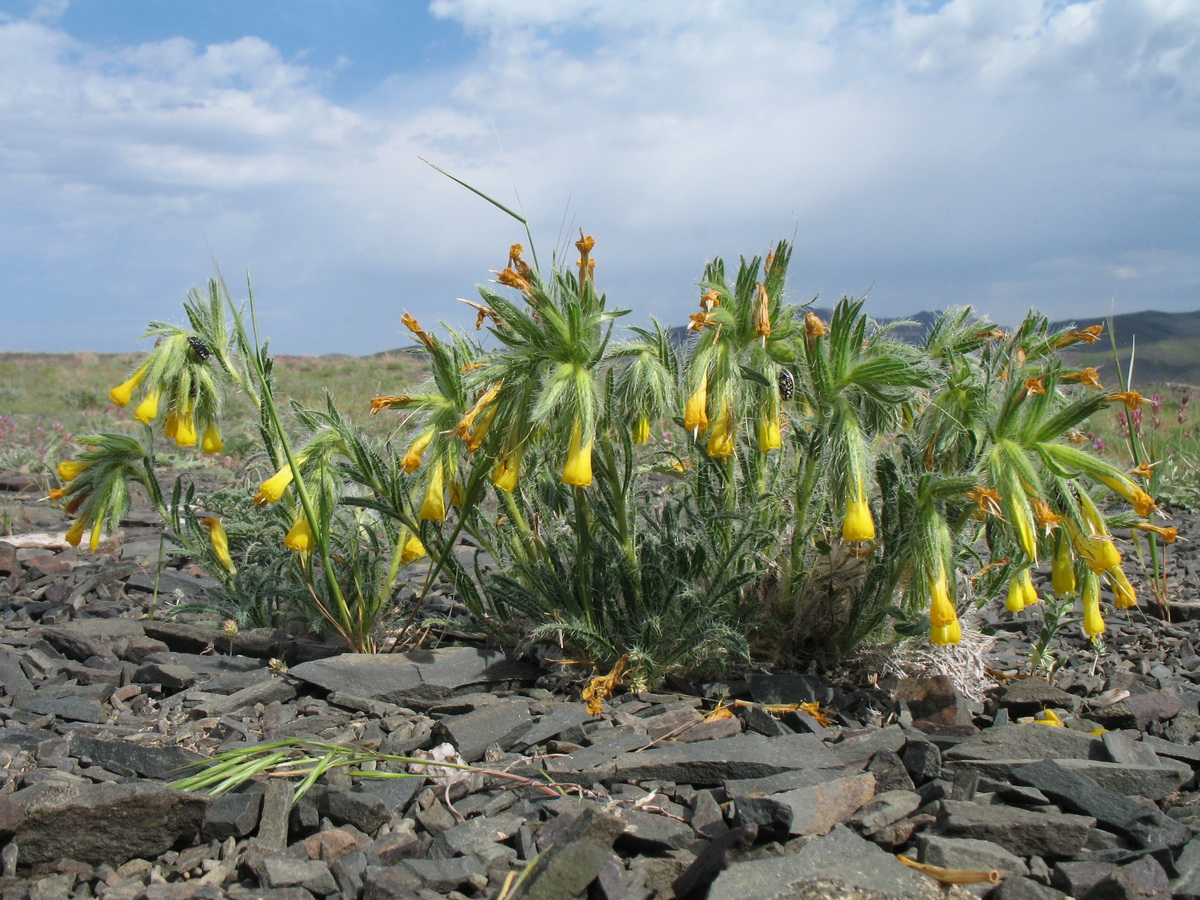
839	864
1022	832
1028	742
420	674
714	762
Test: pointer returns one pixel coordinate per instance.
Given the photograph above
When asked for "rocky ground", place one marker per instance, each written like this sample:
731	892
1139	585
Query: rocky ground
104	699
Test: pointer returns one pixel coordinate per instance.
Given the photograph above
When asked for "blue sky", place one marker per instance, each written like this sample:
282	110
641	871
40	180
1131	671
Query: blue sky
1007	155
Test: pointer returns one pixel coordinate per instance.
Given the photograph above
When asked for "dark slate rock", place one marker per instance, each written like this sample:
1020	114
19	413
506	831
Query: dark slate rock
389	883
1019	831
12	677
968	853
817	809
231	815
1142	879
72	709
861	747
264	692
1151	782
839	864
923	760
85	638
1145	826
783	781
364	811
1079	878
758	720
574	859
934	698
889	772
276	809
1021	889
442	875
713	762
712	859
769	818
172	679
1029	696
563	720
789	689
420	674
1139	710
311	874
394	793
1187	871
126	756
100	823
647	832
1028	742
472	733
885	808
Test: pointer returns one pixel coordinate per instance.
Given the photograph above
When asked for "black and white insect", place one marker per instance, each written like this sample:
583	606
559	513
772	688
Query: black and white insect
199	348
787	384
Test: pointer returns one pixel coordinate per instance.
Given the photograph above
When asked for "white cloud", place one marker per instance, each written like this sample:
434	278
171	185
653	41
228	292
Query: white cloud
942	153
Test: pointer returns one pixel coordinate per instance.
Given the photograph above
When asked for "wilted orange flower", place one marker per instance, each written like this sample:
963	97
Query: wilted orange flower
1088	376
412	325
1077	437
1143	470
1034	386
511	279
994	334
471	367
1088	335
813	326
586	266
378	403
1046	517
57	493
482	313
1132	399
762	314
601	687
710	300
987	499
697	321
1169	534
463	428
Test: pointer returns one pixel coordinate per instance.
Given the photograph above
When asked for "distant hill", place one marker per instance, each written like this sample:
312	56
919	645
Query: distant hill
1167	344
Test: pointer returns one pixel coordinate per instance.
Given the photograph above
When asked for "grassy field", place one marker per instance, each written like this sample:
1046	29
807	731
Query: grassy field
46	398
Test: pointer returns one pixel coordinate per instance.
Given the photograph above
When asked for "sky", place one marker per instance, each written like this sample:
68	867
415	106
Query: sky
1007	155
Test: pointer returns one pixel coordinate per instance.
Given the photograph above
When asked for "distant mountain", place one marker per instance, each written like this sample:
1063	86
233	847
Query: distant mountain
1165	346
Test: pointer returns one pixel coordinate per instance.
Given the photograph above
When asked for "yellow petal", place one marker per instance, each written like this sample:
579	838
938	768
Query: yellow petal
858	524
300	537
433	506
578	469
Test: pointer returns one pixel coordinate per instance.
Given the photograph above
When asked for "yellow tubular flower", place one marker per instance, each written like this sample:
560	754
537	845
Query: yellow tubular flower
271	490
769	436
75	532
433	507
720	439
1015	600
1143	504
147	410
641	430
479	432
94	540
695	411
507	471
185	436
1124	596
56	494
171	425
211	442
300	537
1093	621
1028	591
413	549
1049	717
578	468
858	524
1169	534
69	469
220	543
412	459
1024	527
123	392
1062	572
943	620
